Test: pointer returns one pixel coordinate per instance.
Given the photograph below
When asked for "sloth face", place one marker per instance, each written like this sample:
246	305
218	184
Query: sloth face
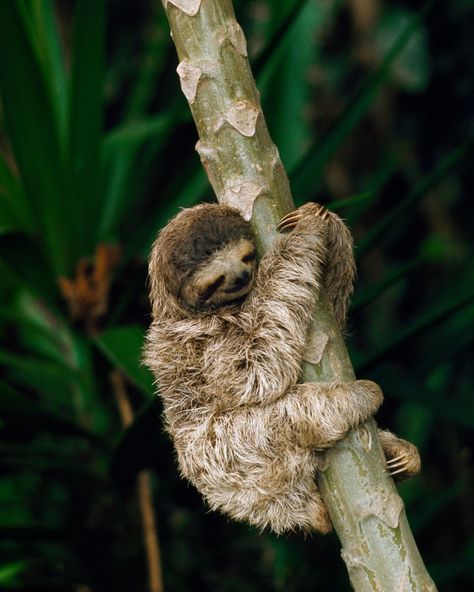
225	278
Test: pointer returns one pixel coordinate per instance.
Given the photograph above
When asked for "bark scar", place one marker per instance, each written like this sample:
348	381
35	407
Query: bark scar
189	7
242	194
233	32
242	115
189	76
315	346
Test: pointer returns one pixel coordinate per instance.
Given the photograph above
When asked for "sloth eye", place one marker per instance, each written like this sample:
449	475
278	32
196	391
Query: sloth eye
211	288
249	257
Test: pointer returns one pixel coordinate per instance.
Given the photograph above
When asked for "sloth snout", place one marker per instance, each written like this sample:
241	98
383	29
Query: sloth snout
243	277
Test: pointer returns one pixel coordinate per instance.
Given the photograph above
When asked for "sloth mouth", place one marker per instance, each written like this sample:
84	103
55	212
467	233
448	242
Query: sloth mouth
235	289
240	284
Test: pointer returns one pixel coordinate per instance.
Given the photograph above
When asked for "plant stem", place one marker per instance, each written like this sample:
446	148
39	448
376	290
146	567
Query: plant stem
144	493
245	170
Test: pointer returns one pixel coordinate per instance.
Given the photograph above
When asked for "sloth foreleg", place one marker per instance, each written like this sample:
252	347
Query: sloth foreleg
317	415
339	265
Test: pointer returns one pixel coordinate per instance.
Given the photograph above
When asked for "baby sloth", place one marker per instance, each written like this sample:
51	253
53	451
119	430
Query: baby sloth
226	345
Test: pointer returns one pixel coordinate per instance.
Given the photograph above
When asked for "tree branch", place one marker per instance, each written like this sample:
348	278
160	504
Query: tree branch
245	170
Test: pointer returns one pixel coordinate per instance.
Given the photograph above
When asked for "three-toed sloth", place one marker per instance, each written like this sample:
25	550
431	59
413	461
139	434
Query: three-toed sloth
226	345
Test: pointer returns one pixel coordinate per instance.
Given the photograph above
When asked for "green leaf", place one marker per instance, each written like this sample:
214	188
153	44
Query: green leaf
432	505
450	341
41	17
15	211
10	571
62	355
285	77
85	117
23	265
34	336
125	162
186	191
354	207
398	382
33	134
50	378
153	61
388	227
411	69
34	416
122	346
131	135
306	174
438	312
368	295
264	60
362	198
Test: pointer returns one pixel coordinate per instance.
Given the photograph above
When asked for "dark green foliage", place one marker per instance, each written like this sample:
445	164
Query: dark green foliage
96	147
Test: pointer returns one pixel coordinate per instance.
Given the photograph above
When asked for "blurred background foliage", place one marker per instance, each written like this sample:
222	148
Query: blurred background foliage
370	103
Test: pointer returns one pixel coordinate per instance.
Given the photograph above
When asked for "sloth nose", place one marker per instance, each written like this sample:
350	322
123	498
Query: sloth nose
244	276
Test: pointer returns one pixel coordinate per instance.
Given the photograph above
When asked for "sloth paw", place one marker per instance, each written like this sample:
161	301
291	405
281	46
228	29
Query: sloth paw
289	221
406	463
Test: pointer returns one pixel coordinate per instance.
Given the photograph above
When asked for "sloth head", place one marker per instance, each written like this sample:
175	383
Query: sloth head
206	256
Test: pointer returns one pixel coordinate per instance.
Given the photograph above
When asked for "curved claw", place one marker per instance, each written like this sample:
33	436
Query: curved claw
292	218
400	470
399	464
396	461
289	221
323	212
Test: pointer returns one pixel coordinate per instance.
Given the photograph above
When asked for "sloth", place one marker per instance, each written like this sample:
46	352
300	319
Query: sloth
226	345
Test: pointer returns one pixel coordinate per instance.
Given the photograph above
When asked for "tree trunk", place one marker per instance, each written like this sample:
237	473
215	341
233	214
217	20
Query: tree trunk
245	170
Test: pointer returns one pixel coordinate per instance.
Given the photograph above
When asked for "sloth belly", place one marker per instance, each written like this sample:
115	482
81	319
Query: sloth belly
246	469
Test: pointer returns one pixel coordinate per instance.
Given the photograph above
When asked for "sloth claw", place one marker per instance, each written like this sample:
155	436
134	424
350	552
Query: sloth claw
291	219
407	463
396	460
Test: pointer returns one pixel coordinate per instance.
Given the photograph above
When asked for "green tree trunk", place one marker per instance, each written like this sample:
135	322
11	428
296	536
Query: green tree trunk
245	170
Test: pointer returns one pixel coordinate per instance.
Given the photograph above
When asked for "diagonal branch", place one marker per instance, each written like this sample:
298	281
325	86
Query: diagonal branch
245	170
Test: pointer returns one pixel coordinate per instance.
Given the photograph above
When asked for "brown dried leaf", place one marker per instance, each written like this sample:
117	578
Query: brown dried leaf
87	293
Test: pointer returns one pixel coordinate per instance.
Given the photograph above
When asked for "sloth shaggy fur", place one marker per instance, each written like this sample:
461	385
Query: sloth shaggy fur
247	433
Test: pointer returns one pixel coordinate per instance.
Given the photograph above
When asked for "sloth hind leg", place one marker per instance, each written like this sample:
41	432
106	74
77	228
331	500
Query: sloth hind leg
318	515
403	459
300	509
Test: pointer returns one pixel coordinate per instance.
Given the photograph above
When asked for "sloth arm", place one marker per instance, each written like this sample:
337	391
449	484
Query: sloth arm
316	416
260	357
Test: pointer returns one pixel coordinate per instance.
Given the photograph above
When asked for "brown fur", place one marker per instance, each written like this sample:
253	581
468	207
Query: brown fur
245	430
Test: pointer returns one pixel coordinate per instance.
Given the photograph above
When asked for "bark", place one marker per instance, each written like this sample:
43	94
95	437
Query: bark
245	170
